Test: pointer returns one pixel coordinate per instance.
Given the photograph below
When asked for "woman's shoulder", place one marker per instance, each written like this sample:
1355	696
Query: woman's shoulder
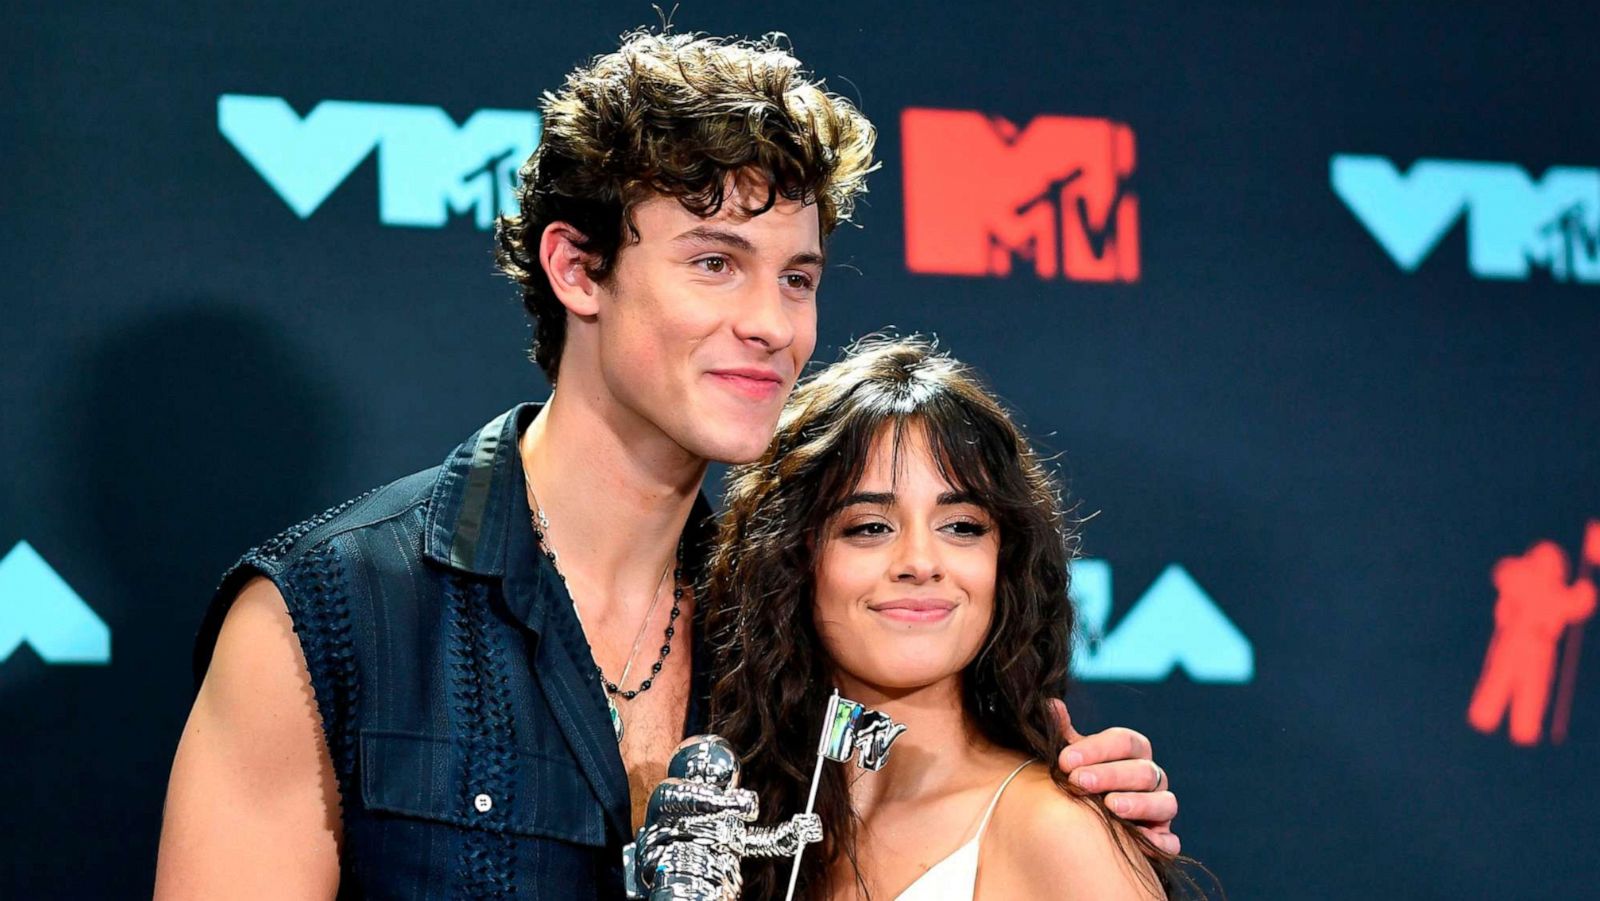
1036	815
1045	842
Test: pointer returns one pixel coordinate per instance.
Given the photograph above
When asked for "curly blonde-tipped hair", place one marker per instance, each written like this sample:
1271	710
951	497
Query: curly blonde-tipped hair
682	116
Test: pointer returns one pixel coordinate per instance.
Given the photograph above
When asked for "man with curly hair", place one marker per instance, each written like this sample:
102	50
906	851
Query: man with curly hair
467	682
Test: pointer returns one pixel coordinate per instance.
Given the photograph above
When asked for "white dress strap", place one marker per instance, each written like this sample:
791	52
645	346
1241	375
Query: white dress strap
993	803
955	878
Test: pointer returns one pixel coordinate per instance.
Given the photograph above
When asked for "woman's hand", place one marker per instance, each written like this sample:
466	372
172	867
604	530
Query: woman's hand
1119	763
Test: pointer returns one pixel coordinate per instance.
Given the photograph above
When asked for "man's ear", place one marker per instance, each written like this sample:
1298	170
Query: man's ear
566	265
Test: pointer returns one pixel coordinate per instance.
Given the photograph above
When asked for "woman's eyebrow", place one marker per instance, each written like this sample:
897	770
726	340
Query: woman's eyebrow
887	499
875	498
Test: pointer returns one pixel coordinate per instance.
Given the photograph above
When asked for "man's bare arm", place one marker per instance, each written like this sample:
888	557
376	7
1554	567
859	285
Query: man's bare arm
253	806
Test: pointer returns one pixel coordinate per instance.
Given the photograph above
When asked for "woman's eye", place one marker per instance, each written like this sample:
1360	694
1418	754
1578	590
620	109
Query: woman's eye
867	528
968	529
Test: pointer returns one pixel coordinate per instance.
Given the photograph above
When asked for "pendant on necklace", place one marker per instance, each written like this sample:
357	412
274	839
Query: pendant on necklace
616	716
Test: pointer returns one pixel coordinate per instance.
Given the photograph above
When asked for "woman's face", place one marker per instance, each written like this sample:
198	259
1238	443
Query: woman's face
905	575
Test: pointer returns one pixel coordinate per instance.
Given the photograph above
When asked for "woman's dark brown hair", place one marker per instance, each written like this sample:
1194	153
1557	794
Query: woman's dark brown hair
678	116
776	676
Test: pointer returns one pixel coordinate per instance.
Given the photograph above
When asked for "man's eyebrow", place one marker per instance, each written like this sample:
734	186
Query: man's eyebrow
809	258
708	235
705	234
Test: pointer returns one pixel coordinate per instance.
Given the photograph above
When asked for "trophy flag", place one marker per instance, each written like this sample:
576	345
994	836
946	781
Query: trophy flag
848	729
851	728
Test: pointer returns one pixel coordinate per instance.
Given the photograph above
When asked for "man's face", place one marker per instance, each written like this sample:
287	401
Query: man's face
706	323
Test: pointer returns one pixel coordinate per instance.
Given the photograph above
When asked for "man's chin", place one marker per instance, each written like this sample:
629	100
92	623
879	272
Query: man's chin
733	447
734	455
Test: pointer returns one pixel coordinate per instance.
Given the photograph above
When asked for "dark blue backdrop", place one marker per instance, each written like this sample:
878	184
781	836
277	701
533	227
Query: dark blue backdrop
1335	447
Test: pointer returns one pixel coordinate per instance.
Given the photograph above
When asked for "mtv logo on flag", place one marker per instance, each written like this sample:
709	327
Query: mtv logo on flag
850	728
982	193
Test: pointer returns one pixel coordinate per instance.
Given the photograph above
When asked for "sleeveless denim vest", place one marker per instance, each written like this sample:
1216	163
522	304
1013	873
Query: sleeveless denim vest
469	734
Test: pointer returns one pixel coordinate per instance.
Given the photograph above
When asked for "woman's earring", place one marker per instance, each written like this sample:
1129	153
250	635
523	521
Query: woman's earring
986	702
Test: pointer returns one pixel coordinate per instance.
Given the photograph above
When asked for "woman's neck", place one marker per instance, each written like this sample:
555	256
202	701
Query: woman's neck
939	750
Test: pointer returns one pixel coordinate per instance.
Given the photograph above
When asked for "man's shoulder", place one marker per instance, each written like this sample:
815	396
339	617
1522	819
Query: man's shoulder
400	504
357	518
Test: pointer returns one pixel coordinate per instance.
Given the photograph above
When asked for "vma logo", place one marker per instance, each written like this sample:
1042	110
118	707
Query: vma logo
1174	624
37	606
982	193
1539	603
1514	224
428	166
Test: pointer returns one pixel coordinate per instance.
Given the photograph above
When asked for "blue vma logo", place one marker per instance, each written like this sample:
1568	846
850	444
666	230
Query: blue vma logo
1173	624
37	606
1514	224
428	166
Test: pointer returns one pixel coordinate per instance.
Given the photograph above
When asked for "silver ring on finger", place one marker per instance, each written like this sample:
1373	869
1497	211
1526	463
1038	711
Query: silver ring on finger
1161	776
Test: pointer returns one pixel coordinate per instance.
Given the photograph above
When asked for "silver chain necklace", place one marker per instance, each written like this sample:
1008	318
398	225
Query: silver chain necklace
541	534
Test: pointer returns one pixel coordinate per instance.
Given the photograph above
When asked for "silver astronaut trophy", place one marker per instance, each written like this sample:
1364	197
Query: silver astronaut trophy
697	829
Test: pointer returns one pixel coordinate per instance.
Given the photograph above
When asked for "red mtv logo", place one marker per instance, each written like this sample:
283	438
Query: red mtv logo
980	192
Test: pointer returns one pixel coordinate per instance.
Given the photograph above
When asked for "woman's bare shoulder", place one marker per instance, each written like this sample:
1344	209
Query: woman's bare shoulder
1046	843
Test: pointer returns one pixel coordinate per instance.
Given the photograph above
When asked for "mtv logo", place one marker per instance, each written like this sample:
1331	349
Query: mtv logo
39	607
1514	224
1175	623
981	192
428	166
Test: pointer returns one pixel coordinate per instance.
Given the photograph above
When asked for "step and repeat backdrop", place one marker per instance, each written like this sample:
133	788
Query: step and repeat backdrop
1304	300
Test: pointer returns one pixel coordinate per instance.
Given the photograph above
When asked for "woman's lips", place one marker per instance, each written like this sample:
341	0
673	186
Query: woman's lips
914	610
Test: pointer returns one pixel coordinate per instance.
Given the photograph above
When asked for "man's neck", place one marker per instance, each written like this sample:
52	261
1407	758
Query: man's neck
617	493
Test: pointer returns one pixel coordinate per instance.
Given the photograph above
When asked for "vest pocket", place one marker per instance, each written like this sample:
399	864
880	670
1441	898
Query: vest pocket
492	787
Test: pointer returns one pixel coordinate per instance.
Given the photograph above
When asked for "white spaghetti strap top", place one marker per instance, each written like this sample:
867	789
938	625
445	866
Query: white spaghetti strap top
955	878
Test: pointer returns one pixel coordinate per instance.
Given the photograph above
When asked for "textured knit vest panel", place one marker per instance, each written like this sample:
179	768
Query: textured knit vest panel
470	738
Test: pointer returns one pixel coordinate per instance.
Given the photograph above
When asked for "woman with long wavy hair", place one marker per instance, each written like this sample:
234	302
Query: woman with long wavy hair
901	541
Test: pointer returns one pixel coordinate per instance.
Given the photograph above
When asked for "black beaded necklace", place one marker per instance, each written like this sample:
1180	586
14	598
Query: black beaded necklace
541	528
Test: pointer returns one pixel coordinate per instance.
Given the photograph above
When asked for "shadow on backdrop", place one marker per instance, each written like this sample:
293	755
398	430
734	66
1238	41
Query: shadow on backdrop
180	439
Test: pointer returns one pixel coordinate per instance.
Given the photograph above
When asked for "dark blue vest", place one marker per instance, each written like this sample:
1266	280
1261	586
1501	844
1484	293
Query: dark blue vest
470	737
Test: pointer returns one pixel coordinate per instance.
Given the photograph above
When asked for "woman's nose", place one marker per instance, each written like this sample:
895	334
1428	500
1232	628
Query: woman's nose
917	560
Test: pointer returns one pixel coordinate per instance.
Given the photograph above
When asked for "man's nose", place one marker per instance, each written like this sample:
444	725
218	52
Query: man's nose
764	318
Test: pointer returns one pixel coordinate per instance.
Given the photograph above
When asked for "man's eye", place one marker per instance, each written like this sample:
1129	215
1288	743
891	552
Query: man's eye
799	281
715	265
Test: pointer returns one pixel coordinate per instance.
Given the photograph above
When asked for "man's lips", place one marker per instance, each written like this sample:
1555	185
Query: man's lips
913	610
751	382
